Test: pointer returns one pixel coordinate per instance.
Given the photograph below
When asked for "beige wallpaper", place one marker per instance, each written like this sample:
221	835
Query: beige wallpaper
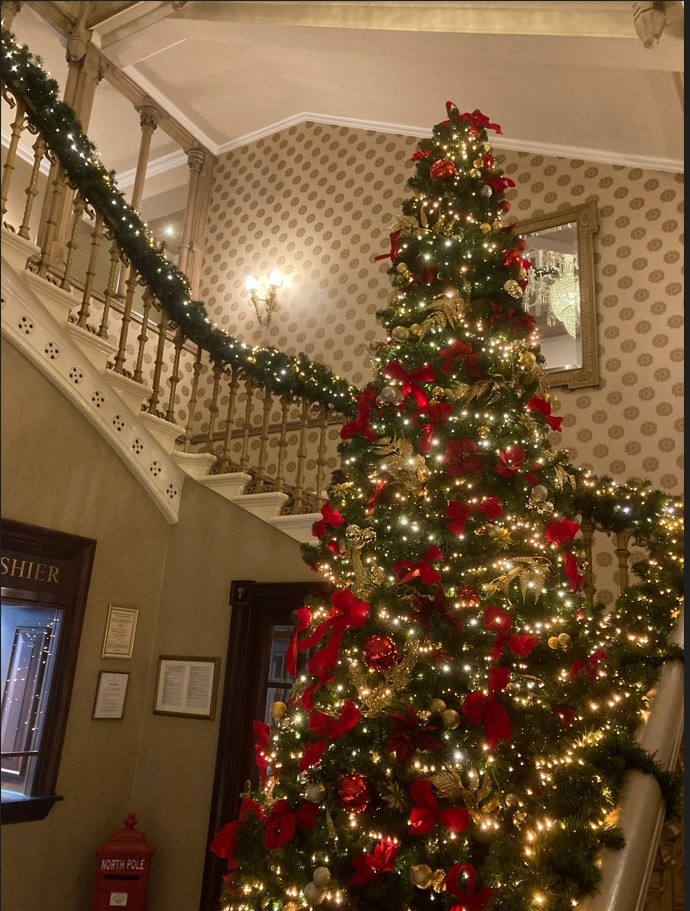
315	200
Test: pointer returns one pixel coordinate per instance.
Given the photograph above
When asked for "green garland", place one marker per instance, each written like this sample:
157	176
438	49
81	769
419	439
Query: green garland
63	135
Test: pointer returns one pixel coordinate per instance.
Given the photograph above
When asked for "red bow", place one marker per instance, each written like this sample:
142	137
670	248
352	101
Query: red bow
367	866
461	350
420	154
577	581
560	530
411	381
303	621
469	899
439	413
346	612
281	822
510	461
536	403
501	623
480	708
328	729
262	732
426	812
395	248
406	570
330	517
410	734
462	457
499	184
590	668
480	121
361	426
226	839
371	502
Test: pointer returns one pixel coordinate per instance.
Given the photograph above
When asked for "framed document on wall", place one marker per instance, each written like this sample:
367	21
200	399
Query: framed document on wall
120	630
186	686
111	691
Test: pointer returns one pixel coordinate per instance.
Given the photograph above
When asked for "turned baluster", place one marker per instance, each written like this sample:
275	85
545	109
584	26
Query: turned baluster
213	409
244	458
78	207
321	455
59	187
8	167
131	287
174	376
111	290
298	494
138	374
96	238
587	529
226	463
623	554
31	191
282	442
196	372
263	449
158	365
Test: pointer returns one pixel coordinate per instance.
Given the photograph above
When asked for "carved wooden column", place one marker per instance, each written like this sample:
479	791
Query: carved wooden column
195	160
203	199
10	8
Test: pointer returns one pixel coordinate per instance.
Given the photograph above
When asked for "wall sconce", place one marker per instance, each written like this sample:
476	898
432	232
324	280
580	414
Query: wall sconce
650	19
264	296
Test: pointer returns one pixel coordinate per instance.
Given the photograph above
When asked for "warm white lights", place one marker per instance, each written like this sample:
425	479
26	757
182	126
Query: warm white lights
263	295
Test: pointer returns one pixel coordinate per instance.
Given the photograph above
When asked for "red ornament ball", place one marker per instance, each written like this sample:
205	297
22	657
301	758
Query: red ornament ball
354	792
505	205
379	653
440	170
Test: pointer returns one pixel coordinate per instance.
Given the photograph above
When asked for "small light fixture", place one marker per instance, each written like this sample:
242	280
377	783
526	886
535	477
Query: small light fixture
264	295
649	18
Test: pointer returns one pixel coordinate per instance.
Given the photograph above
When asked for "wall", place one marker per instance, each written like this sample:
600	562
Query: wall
315	200
59	473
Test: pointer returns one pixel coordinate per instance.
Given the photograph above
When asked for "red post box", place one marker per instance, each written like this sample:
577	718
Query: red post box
123	870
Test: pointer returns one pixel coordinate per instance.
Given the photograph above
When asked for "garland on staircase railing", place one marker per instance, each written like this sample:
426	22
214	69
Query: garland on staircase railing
63	135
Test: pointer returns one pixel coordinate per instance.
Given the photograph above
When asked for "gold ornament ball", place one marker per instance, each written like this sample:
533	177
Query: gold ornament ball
313	894
322	876
483	432
278	710
564	640
415	330
539	493
436	706
497	225
477	162
512	287
553	642
450	719
421	876
376	345
528	359
512	800
547	397
475	173
401	333
485	228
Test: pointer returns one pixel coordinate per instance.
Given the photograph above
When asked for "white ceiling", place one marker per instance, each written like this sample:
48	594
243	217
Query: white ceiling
570	78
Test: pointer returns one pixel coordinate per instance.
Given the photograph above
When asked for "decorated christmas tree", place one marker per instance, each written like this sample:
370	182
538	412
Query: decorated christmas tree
456	736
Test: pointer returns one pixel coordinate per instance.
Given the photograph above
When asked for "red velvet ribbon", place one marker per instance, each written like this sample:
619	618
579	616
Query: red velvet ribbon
361	426
439	413
282	822
560	531
470	899
330	518
328	728
395	248
590	667
368	866
303	621
426	812
480	121
536	403
499	184
406	570
480	708
411	381
262	732
500	622
226	839
378	490
576	579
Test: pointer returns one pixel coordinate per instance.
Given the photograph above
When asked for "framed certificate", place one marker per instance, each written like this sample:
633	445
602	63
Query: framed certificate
186	686
120	629
111	691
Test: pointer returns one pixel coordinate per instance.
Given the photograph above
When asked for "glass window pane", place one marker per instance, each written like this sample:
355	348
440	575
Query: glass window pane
27	656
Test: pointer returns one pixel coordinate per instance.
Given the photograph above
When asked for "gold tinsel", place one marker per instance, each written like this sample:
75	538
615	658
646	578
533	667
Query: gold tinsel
530	570
477	793
403	464
395	679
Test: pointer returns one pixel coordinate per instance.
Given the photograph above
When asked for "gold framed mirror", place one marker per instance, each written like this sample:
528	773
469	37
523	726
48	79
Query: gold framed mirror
560	293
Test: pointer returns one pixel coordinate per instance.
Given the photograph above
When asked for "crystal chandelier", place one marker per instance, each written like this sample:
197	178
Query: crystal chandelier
553	288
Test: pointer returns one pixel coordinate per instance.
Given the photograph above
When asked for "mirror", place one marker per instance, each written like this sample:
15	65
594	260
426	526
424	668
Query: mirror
560	293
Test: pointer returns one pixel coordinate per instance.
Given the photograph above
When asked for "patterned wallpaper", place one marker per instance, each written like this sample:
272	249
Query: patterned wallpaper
315	201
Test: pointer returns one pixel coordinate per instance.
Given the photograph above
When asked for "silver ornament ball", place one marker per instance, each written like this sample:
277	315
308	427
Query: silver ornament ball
313	894
322	876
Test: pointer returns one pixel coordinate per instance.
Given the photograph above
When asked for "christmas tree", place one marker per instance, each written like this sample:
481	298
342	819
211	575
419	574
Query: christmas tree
457	737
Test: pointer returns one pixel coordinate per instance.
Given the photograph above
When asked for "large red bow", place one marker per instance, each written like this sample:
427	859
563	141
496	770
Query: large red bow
361	426
395	248
560	530
346	612
499	184
367	866
226	839
406	570
330	518
461	350
480	121
462	457
470	900
426	812
536	403
328	728
262	732
501	623
480	708
282	821
577	581
590	668
411	381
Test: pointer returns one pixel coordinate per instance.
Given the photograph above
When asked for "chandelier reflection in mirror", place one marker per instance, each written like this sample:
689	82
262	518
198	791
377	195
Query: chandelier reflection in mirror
553	289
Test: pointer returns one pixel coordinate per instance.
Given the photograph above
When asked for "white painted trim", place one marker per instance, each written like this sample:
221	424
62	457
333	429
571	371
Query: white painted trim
153	168
26	153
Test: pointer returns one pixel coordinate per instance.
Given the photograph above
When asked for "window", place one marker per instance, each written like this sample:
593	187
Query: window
45	577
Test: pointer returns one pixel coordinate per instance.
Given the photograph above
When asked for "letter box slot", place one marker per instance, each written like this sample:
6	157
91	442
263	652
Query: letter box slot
122	870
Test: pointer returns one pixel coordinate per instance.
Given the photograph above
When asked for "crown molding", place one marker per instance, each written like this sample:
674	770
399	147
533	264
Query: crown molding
155	166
